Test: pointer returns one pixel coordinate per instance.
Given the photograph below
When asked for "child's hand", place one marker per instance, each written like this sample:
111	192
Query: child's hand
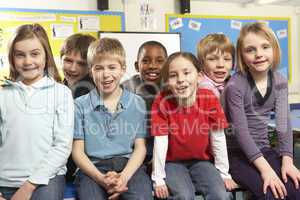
24	192
230	184
119	187
288	169
110	178
161	191
270	179
1	197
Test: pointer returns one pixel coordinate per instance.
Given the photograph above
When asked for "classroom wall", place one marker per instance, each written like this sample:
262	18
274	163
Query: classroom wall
132	19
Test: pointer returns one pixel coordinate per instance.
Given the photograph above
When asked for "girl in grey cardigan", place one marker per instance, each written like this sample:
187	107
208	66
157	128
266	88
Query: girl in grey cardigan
250	96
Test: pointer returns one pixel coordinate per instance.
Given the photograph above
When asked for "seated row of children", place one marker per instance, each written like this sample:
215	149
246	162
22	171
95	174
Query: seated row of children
175	99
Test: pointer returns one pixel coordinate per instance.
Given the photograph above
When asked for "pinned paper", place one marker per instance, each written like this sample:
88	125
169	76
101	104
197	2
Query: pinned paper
194	25
234	24
67	19
61	31
282	33
7	17
176	23
31	18
39	18
89	23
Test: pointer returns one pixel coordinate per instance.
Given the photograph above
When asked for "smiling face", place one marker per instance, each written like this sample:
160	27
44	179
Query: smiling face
150	62
29	60
257	53
217	65
74	67
107	74
183	79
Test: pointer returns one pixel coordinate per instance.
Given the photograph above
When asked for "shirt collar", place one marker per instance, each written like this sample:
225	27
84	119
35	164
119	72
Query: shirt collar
219	86
97	101
44	82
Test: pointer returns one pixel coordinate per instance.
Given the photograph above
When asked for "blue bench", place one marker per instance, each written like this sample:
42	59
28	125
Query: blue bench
70	192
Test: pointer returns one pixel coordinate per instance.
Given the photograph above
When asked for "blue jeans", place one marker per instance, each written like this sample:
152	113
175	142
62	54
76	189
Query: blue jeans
139	186
53	191
185	178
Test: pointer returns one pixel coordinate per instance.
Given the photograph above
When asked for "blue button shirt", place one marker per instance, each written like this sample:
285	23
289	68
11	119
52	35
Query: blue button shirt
106	134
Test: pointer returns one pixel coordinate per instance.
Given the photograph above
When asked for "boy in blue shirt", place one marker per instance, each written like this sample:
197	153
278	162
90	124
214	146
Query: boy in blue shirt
110	130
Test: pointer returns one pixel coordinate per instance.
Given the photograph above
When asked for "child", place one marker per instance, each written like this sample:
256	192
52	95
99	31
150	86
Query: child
36	117
150	59
110	131
250	96
73	54
183	118
216	55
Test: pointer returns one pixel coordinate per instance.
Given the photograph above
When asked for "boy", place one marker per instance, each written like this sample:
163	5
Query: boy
73	56
150	59
109	136
216	55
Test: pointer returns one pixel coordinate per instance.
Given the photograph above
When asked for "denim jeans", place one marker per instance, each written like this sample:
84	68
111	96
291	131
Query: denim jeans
139	186
53	191
185	178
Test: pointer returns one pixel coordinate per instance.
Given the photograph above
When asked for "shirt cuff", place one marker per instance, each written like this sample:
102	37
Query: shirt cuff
38	180
159	182
225	176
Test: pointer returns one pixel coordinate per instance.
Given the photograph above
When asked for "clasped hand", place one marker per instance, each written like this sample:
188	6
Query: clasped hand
115	184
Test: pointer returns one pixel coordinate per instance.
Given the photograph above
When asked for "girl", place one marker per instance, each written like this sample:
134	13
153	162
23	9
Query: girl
216	55
250	96
36	121
183	116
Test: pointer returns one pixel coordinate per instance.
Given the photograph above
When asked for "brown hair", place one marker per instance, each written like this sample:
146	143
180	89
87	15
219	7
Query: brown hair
263	30
106	48
79	43
213	42
29	31
186	55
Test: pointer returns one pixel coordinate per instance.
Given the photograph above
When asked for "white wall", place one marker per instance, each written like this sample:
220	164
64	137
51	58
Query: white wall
132	19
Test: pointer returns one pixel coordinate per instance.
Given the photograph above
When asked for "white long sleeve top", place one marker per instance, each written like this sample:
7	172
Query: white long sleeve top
36	131
219	151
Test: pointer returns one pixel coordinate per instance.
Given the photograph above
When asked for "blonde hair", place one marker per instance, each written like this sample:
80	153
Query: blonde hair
263	30
106	48
29	31
213	42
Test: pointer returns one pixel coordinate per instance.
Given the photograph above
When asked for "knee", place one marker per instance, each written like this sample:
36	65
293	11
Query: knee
184	196
219	195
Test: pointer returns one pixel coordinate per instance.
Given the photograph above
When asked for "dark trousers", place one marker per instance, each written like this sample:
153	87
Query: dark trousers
246	175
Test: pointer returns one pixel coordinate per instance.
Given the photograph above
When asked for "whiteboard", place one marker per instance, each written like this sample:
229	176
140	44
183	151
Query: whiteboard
131	42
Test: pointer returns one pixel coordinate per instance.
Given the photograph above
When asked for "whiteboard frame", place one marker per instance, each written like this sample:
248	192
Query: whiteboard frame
138	38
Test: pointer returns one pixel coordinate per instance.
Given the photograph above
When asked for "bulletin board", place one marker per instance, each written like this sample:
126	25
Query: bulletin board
194	27
59	24
131	42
